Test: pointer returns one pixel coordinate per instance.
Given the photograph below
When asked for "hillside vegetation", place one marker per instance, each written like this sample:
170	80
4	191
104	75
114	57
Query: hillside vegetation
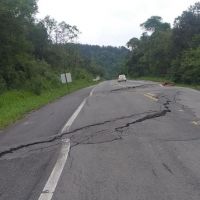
111	60
33	54
169	52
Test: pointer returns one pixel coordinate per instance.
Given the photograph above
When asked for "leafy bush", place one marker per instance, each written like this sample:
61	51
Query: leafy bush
36	85
81	74
190	66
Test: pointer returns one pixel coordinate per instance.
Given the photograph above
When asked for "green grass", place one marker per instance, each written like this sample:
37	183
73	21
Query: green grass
15	104
161	80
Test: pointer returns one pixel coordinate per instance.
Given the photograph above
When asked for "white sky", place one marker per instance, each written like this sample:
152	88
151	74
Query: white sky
111	22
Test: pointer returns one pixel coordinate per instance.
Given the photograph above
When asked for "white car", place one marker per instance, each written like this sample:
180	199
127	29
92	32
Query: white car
121	77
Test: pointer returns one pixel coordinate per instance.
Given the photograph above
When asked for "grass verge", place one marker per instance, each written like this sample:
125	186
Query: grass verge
15	104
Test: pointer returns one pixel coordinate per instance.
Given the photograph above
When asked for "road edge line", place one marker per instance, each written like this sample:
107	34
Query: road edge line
73	117
50	186
54	177
92	91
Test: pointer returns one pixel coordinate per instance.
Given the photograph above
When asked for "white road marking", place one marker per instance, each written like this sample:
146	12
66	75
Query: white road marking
92	91
153	95
73	117
150	96
52	182
161	85
195	123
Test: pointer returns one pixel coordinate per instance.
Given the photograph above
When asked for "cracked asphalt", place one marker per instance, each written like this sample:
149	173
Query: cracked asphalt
131	141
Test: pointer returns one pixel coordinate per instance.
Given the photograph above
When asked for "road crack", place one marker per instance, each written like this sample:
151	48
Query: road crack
147	117
167	168
110	136
132	87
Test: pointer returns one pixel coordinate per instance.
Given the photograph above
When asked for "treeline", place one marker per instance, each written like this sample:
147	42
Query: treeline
110	60
163	51
34	52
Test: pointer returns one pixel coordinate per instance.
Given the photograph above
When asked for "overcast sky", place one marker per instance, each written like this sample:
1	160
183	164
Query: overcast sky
110	22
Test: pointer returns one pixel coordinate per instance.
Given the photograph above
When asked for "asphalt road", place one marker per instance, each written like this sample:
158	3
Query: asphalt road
127	141
24	172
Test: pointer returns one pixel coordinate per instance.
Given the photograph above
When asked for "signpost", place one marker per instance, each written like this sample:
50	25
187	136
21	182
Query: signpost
63	78
66	78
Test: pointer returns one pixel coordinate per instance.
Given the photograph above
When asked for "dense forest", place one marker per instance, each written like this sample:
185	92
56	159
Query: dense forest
34	52
163	51
111	60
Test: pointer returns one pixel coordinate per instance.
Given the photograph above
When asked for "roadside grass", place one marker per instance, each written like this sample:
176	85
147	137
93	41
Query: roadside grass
15	104
161	80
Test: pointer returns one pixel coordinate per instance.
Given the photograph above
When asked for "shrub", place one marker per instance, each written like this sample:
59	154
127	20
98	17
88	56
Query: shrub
190	66
36	85
2	84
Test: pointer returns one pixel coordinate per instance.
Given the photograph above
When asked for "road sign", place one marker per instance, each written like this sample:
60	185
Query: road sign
63	78
68	77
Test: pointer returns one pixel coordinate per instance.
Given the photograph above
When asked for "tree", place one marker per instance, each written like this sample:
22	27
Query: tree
133	43
190	66
155	23
186	27
65	33
38	37
172	53
16	16
60	33
151	53
50	24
